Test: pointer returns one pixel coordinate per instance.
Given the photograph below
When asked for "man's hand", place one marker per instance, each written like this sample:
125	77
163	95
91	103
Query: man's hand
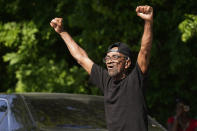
145	12
57	25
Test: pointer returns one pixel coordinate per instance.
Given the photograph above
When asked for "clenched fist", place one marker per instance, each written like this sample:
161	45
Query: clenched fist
145	12
57	25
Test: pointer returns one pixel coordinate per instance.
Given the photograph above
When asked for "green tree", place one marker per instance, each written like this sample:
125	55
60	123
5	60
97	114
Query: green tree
188	27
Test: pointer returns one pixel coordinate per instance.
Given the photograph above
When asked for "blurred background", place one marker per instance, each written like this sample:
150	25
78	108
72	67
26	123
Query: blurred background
33	58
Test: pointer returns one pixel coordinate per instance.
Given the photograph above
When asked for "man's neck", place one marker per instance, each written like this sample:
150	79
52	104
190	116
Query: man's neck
119	77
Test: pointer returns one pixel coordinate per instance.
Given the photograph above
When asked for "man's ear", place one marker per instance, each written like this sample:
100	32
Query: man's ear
127	64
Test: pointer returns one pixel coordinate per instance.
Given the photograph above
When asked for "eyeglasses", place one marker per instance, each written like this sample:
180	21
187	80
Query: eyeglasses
113	58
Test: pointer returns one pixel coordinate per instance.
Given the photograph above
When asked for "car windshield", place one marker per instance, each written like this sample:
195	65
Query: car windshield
66	111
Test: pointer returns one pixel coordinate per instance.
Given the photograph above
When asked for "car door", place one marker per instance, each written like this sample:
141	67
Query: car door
4	117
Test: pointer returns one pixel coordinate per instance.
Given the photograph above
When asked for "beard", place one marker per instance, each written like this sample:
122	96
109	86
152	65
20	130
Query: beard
114	72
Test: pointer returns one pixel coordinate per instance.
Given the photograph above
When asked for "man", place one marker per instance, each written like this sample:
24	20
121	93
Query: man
125	106
181	121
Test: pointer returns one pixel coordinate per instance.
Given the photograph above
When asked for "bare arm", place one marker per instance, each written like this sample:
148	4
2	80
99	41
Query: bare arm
173	126
177	119
169	126
76	51
146	13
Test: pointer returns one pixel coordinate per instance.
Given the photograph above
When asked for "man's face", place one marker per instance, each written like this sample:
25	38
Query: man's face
116	63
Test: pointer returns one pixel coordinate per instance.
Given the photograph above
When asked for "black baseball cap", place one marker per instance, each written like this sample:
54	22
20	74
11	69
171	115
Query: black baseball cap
122	48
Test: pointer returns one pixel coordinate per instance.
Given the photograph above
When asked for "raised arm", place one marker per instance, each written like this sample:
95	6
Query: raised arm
146	13
76	51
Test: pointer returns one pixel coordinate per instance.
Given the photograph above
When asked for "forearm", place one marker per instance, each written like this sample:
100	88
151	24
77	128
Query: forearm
175	126
76	51
146	42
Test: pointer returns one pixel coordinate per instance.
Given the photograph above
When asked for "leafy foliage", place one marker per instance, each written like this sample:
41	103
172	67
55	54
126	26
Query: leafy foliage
188	27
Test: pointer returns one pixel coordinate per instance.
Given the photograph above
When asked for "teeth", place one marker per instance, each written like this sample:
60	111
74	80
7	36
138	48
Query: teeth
110	67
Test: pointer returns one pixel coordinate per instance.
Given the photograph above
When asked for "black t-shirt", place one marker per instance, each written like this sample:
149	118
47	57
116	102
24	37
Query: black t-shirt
124	101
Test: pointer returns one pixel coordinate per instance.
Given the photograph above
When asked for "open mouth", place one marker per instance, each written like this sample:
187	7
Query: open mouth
109	67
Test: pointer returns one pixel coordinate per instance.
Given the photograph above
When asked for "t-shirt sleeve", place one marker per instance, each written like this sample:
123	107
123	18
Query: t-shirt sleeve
98	76
170	120
142	77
